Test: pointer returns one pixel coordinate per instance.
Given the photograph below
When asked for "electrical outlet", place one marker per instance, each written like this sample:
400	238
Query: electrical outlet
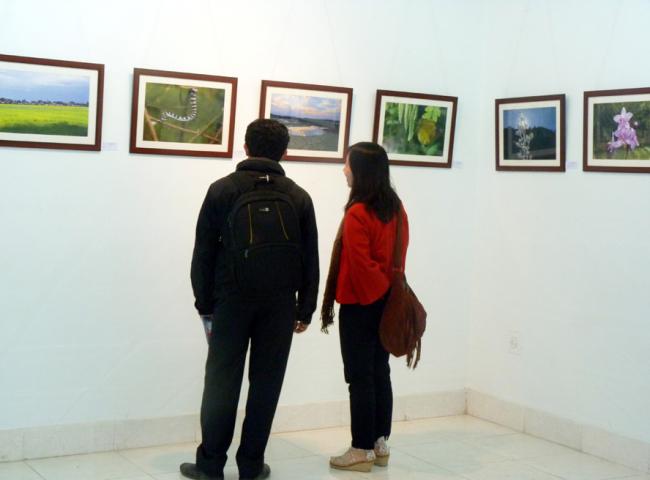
514	343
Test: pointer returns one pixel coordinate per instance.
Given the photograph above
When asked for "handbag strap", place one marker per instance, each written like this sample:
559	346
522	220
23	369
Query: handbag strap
397	250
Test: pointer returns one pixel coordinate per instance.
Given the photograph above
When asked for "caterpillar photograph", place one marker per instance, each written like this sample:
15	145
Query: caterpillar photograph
183	114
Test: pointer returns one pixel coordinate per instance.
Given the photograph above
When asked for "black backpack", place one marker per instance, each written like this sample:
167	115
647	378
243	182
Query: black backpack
262	240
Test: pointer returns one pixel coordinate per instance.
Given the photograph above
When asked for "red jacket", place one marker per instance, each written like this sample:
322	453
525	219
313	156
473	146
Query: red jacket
367	255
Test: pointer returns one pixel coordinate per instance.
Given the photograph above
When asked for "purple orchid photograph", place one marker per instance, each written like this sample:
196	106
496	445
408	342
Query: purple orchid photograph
617	130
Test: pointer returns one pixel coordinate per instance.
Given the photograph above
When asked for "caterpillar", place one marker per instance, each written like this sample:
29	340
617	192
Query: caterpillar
183	118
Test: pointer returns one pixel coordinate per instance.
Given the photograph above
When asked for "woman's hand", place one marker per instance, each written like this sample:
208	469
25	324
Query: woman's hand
299	327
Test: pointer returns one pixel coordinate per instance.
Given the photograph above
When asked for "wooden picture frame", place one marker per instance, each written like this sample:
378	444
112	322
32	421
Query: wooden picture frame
530	133
416	129
47	103
176	113
616	130
317	116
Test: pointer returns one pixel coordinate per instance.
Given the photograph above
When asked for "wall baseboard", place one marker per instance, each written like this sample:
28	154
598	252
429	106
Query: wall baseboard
53	441
584	438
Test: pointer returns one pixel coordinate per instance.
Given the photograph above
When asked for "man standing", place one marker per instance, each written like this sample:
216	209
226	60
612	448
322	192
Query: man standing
256	247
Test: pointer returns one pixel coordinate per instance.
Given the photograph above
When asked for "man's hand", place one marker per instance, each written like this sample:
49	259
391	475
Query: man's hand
299	327
207	325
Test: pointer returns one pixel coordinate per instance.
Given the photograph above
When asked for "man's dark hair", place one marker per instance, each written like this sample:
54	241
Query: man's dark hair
267	138
371	180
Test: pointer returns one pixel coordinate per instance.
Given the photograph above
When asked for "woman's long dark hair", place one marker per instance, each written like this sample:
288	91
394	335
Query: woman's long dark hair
371	180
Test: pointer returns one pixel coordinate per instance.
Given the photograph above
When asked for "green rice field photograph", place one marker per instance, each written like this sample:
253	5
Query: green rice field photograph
183	114
43	103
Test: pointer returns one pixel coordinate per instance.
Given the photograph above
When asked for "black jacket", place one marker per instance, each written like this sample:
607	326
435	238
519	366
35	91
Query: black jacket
212	279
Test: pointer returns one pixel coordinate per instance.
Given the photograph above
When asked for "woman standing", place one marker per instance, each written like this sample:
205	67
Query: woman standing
359	280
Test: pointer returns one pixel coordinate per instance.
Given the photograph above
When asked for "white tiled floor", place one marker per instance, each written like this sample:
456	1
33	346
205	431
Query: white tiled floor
449	448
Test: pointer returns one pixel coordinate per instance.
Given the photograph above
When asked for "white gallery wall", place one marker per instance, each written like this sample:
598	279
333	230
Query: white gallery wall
560	260
96	311
96	308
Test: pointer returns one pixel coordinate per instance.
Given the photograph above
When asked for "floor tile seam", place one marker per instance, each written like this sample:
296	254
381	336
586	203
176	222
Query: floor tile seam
119	452
271	461
302	449
639	473
497	435
532	467
404	449
642	474
597	458
482	463
620	478
540	469
466	476
466	443
33	469
522	458
491	434
537	467
307	450
428	462
309	430
412	444
131	477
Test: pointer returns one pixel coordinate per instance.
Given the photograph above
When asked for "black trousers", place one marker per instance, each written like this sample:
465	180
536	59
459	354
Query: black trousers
268	326
367	373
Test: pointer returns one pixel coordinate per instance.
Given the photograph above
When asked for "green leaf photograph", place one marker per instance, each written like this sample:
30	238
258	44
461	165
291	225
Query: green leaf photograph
416	129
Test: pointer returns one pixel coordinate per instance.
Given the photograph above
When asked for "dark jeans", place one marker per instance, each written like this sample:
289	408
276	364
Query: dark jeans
268	325
367	372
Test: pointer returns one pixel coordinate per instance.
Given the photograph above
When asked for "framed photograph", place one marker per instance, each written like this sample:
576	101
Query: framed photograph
176	113
530	133
50	103
415	128
317	116
616	131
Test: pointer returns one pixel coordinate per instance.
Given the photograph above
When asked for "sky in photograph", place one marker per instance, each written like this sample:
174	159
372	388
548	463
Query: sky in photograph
537	117
52	87
304	106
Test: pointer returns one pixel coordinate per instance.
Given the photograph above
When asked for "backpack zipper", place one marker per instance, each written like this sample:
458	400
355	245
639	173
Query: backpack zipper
284	230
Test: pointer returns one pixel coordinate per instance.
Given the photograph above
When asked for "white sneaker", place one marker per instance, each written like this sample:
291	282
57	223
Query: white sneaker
382	452
354	459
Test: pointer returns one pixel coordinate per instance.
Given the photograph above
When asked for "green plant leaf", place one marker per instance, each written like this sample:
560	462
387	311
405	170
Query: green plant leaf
432	113
433	149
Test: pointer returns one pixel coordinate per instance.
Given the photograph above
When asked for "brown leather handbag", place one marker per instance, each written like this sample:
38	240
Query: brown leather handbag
404	319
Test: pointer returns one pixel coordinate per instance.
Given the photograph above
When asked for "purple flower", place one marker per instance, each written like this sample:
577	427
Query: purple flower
623	118
624	135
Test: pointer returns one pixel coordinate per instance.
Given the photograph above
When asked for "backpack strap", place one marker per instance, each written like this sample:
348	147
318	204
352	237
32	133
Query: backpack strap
243	182
247	181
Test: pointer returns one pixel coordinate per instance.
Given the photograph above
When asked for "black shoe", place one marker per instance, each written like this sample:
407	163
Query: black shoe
265	473
190	470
